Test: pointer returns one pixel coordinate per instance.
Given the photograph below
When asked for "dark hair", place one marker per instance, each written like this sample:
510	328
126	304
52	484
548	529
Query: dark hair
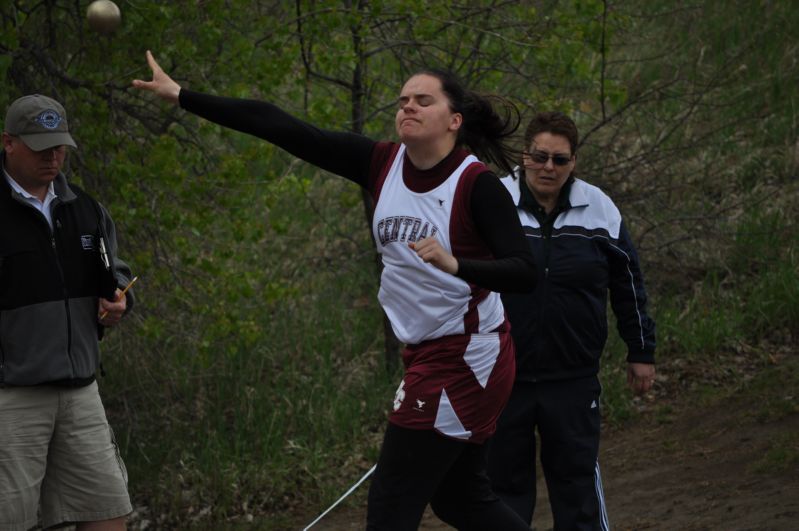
553	122
483	130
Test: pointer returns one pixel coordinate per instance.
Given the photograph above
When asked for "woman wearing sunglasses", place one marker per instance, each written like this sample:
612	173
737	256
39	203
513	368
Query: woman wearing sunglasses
583	252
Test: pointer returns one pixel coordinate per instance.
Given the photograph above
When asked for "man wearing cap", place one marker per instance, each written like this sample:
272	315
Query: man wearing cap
60	283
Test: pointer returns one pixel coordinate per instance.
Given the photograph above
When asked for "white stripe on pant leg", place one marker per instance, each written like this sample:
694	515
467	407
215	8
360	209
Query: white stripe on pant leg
600	494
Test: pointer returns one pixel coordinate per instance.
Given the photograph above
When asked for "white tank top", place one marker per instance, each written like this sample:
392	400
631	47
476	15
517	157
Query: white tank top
421	301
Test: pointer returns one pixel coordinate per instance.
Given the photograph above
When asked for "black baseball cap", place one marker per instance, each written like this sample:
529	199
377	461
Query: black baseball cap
40	122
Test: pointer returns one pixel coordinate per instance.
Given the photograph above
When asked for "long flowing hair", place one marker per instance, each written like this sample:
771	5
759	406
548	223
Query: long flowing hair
489	121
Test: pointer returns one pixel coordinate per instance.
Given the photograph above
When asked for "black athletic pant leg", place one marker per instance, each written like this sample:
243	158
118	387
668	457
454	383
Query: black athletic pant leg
420	466
405	479
569	424
511	452
465	500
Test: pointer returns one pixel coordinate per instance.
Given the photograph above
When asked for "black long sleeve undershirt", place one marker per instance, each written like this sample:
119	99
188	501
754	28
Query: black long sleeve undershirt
349	155
494	215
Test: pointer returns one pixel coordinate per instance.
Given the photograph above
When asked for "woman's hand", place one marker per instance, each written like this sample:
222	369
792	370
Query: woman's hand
430	251
640	377
162	85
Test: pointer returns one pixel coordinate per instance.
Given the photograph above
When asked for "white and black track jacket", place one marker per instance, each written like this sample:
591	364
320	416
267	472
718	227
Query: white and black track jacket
560	328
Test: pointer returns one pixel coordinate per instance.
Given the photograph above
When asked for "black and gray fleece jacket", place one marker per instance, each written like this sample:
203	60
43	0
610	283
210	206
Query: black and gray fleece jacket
50	281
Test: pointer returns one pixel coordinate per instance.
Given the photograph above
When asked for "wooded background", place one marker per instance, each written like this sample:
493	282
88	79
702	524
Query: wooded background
257	370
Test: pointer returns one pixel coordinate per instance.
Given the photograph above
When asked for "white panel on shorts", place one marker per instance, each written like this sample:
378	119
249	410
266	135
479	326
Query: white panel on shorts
447	421
481	356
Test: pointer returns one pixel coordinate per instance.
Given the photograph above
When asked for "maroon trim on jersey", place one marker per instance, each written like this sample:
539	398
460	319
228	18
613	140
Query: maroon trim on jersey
466	240
383	156
419	181
471	319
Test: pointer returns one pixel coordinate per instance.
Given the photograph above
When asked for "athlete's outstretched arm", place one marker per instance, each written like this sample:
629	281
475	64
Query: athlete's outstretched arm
342	153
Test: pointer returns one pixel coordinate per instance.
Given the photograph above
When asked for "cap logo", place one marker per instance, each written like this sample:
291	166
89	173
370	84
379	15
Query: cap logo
49	119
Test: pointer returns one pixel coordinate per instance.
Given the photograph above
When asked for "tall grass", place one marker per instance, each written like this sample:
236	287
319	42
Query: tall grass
753	296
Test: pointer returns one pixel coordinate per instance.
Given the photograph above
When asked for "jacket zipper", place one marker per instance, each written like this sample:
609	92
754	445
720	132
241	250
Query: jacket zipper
2	359
57	224
547	225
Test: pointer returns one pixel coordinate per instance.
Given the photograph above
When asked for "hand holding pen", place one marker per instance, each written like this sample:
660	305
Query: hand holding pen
111	311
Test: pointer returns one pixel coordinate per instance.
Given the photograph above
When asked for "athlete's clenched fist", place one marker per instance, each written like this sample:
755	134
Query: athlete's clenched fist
430	251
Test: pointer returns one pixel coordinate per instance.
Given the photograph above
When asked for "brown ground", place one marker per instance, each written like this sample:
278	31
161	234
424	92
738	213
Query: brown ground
718	455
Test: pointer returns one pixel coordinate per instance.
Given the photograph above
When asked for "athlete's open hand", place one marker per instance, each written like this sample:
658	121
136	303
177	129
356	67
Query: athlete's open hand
429	250
162	85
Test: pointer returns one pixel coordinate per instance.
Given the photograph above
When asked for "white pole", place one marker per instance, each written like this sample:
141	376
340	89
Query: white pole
369	473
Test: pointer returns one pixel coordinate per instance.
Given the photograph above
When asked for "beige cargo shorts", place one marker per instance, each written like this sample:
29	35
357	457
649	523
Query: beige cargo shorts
56	442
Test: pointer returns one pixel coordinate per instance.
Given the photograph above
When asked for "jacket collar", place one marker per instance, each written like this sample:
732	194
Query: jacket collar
577	195
571	195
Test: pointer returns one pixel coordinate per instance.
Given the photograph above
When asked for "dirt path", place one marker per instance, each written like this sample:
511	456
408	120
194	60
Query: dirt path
707	469
728	463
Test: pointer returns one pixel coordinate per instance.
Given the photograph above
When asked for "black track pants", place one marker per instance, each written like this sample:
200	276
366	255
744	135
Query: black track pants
417	467
566	414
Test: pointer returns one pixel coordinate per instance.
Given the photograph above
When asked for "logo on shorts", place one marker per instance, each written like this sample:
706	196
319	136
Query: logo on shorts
399	396
420	405
87	242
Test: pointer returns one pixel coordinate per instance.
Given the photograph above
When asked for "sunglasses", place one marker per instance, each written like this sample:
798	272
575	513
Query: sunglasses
541	157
